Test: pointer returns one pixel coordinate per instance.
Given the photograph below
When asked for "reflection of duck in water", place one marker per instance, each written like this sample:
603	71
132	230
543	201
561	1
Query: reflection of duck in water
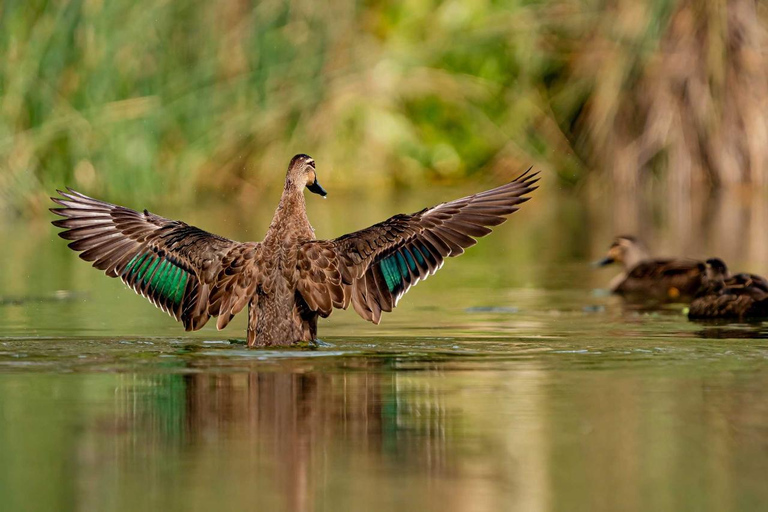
643	277
289	279
728	296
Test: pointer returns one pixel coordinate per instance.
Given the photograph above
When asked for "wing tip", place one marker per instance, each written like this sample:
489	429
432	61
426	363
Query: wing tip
63	193
528	176
64	196
57	211
76	193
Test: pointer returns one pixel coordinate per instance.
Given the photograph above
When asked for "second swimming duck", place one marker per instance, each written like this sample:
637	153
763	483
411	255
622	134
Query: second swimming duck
643	277
289	279
737	297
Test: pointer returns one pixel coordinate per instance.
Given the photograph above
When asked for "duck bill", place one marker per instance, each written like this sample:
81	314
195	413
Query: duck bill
603	262
315	188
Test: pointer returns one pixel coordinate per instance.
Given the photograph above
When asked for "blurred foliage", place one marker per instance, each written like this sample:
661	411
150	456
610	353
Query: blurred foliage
671	88
145	100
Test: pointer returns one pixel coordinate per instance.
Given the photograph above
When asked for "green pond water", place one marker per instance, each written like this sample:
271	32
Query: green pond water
508	381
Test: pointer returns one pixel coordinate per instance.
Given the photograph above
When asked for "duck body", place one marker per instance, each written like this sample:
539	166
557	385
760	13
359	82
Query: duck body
730	304
645	278
660	279
290	279
730	297
274	313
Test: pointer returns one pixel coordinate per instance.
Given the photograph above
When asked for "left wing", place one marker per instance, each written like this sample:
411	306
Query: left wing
187	272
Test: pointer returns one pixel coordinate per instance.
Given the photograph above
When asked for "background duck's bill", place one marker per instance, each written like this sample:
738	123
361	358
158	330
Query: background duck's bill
317	189
603	262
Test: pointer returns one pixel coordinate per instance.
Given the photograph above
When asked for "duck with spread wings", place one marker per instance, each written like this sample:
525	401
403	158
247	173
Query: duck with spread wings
289	279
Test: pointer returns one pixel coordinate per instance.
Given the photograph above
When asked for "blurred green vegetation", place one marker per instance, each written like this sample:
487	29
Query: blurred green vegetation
149	100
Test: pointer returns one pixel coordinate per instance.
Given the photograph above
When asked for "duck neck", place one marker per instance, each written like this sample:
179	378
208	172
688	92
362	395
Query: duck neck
634	255
290	221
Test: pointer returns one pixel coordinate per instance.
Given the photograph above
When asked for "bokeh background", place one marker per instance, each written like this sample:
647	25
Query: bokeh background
155	101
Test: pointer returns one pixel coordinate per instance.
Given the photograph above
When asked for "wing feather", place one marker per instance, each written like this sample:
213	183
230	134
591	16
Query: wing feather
177	267
373	268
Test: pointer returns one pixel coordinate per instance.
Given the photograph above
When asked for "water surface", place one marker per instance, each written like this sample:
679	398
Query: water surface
508	381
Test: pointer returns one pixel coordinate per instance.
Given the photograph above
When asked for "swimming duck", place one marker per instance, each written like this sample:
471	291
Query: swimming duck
289	279
717	269
643	277
722	295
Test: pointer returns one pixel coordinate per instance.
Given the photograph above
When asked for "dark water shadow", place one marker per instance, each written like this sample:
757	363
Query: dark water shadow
723	329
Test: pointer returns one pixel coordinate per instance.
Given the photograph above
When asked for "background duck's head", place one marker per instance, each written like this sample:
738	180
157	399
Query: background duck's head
301	173
625	250
716	269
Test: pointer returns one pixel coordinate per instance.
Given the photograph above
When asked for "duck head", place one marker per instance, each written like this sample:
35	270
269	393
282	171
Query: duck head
625	250
301	173
716	269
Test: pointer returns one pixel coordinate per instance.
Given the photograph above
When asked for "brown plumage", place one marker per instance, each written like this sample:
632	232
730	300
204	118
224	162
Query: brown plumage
646	278
289	279
723	296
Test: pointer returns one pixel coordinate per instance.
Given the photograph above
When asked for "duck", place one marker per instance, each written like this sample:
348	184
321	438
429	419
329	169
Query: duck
290	278
646	278
725	296
716	268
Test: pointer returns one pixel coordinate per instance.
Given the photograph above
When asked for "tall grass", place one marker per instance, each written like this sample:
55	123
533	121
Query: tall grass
670	89
149	100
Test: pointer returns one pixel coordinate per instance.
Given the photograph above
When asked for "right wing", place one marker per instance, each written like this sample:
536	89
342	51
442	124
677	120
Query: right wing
374	267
